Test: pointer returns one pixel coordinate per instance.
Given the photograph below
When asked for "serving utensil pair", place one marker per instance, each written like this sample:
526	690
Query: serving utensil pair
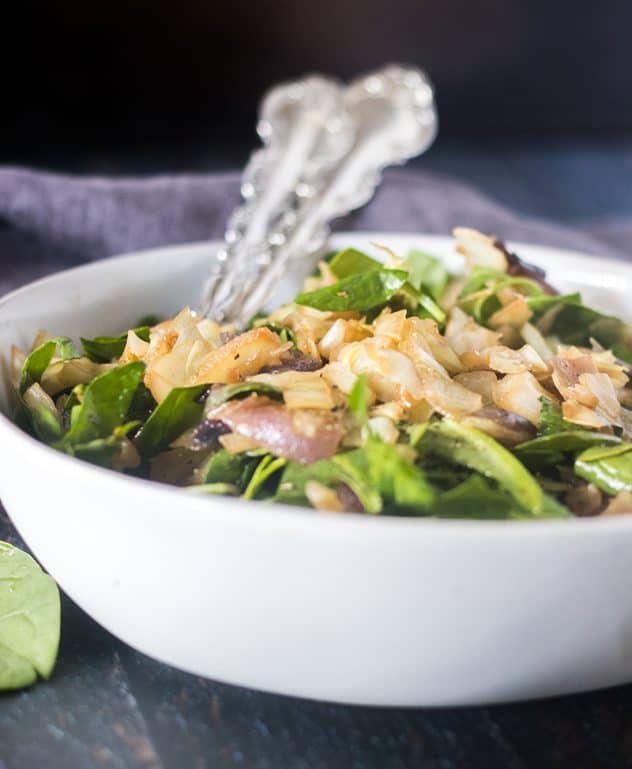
325	146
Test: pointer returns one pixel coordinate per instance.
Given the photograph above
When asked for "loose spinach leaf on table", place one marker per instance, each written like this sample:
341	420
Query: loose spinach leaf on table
39	359
608	467
463	445
103	349
359	292
29	620
181	409
105	405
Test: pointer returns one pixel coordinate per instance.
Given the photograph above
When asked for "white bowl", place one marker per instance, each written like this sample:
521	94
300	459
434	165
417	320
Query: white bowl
349	608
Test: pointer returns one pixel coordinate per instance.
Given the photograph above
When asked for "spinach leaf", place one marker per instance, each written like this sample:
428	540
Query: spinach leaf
372	473
36	404
151	319
464	445
359	292
223	489
266	468
479	295
608	467
349	468
551	508
351	262
358	399
623	352
234	469
39	359
254	320
105	405
415	302
29	620
493	280
66	348
548	448
552	421
427	272
259	320
222	393
476	498
181	409
103	349
428	308
143	403
398	479
41	413
284	333
100	451
480	278
566	318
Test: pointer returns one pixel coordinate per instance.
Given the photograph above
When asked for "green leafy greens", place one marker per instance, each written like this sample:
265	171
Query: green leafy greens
408	458
105	404
39	359
464	445
29	620
103	349
179	411
570	321
222	393
427	273
608	467
351	262
360	291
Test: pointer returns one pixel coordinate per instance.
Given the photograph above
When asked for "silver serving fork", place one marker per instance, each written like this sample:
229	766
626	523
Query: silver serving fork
325	146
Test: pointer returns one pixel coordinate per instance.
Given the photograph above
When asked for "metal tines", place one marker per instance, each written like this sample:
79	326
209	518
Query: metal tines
325	146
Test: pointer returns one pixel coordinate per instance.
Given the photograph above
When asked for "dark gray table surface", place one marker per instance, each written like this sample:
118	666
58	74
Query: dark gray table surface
109	706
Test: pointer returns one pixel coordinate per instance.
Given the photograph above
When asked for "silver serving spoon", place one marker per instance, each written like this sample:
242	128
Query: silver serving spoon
325	149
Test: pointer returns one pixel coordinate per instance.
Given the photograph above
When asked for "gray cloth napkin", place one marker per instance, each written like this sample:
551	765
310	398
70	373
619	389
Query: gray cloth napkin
50	221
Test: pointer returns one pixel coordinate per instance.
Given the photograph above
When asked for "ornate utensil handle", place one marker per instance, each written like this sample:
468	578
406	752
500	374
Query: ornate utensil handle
326	149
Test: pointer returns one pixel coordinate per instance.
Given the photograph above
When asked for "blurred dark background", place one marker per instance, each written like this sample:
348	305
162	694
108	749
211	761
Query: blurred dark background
144	85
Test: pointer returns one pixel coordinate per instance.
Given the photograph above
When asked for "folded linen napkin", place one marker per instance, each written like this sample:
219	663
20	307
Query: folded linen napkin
52	221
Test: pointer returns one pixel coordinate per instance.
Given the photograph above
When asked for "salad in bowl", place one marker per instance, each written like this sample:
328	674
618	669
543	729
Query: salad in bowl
386	387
